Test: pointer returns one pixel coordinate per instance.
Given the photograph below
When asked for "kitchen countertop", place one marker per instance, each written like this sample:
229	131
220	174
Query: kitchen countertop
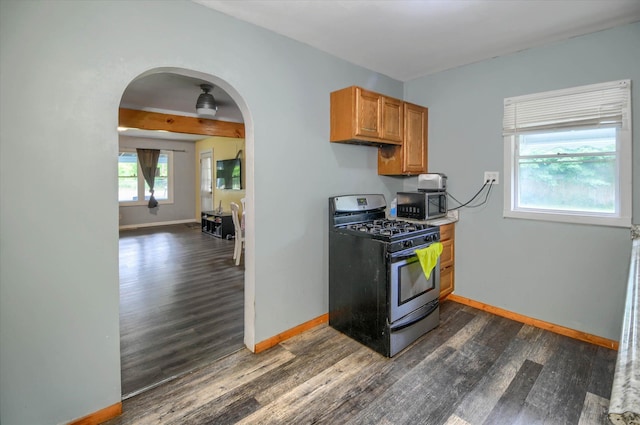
442	221
435	222
624	405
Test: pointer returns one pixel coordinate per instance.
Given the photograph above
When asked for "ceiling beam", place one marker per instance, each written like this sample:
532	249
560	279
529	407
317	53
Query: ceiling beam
144	120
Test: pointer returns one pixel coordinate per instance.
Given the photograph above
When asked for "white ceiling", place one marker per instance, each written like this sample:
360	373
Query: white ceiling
407	39
170	93
403	39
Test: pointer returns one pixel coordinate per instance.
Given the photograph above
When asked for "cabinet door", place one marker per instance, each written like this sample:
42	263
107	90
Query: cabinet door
392	119
446	281
415	139
446	258
368	113
447	231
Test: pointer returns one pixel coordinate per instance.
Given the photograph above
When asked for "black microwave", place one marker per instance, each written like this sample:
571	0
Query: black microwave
422	205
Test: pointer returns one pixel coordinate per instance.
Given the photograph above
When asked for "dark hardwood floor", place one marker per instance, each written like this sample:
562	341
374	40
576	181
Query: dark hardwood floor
181	303
475	368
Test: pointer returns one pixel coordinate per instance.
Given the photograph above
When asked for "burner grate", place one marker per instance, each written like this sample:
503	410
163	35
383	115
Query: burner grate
386	227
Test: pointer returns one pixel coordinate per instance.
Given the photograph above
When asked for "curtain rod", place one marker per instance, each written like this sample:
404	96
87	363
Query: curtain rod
172	150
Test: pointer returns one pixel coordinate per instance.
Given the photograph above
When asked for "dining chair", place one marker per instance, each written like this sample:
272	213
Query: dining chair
244	209
237	250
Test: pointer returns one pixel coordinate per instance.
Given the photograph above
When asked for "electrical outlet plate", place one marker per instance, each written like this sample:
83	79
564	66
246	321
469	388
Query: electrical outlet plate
491	175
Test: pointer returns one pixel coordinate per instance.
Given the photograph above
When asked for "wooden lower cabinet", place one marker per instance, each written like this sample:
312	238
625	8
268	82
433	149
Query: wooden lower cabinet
447	260
446	281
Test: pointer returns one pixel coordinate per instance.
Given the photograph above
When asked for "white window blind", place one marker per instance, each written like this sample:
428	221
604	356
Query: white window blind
593	105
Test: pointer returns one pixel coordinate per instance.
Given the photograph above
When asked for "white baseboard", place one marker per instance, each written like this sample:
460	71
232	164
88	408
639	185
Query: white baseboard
160	223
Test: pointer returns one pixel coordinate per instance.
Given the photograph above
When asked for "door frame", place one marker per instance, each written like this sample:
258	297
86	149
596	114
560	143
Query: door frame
250	240
200	155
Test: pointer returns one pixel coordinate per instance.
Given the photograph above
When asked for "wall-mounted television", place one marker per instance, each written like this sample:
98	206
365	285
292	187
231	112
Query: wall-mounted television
229	174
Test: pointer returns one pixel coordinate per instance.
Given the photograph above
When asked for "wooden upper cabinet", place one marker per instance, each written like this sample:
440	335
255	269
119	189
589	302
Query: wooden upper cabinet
411	157
398	128
368	114
364	117
415	139
392	119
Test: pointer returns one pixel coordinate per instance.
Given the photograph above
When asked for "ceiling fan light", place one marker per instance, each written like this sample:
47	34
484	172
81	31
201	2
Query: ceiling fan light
206	104
206	112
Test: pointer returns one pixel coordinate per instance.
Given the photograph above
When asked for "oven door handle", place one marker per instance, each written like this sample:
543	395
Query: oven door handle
416	316
407	254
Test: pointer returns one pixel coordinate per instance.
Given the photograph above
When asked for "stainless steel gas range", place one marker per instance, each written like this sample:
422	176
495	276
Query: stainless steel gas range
378	293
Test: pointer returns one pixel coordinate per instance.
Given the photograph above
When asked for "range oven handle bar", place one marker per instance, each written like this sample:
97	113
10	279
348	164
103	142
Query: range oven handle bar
406	254
416	316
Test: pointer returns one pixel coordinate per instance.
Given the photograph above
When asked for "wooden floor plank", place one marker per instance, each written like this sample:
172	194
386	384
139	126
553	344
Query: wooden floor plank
453	368
305	367
171	403
558	394
221	407
331	348
455	420
308	401
181	303
601	378
528	343
514	396
595	410
324	377
367	389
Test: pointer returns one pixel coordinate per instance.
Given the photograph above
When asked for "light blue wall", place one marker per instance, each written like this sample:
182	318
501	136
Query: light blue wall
59	330
571	275
63	68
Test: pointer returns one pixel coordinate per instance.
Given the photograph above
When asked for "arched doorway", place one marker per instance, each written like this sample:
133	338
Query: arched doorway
248	293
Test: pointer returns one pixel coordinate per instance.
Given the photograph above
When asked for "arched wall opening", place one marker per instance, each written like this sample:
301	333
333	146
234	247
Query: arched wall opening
249	272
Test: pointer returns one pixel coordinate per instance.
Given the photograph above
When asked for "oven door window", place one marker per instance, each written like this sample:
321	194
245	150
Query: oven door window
410	289
437	204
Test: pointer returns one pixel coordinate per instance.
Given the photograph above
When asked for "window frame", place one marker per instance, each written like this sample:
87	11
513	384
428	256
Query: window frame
623	209
142	183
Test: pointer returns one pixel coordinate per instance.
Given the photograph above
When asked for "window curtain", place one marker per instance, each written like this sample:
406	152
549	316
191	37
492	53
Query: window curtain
148	159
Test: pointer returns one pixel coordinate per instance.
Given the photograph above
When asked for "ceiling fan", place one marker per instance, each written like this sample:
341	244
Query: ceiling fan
206	105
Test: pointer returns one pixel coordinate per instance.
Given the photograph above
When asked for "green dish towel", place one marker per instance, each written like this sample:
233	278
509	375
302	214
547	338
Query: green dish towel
429	257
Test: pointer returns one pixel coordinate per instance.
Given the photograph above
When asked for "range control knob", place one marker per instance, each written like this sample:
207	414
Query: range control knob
407	244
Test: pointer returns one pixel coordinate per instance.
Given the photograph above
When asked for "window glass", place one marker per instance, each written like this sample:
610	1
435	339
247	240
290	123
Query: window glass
127	177
132	187
568	171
